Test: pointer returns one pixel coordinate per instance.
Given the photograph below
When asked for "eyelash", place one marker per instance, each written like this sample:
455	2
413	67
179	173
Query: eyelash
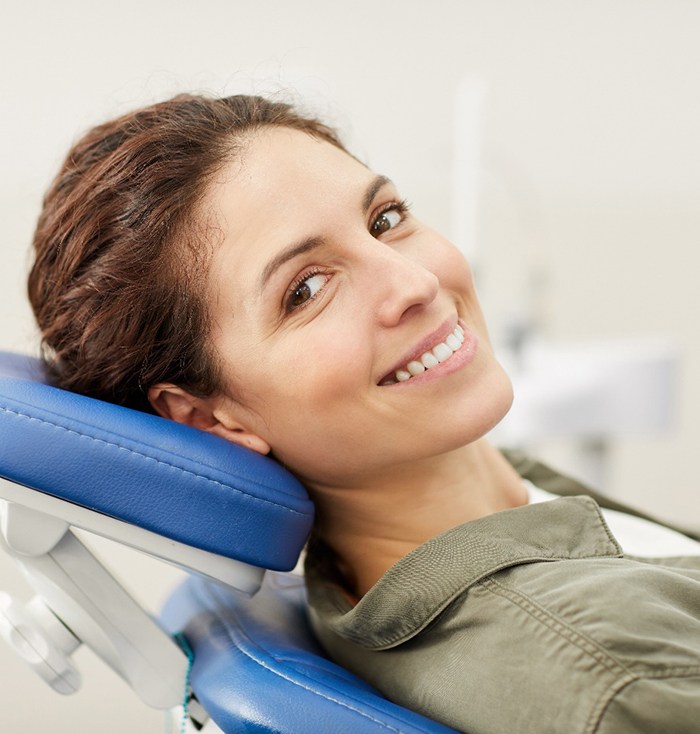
401	207
307	275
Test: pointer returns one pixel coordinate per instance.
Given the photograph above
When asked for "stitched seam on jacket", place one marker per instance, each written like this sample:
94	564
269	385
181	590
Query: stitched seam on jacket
558	625
119	447
677	671
588	646
629	674
239	632
598	709
604	525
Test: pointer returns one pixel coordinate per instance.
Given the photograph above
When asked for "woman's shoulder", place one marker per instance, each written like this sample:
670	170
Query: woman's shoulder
565	627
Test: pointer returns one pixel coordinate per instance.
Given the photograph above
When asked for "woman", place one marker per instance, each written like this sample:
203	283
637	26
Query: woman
229	265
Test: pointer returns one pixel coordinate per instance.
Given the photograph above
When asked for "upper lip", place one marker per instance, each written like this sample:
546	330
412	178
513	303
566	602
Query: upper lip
424	345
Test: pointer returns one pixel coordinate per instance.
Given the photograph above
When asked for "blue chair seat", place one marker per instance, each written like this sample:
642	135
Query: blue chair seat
257	667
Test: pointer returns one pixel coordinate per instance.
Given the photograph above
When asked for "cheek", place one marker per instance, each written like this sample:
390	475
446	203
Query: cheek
450	266
316	394
313	370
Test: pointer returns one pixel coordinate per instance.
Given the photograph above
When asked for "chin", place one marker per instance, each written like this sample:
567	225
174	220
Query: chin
491	407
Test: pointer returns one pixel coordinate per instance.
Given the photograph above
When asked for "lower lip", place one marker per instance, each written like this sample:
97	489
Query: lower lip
461	358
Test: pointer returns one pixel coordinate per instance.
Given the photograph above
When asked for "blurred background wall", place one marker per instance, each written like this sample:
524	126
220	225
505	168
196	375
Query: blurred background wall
582	198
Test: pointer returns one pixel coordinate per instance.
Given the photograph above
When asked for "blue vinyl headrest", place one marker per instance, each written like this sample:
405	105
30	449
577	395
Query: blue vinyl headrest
177	481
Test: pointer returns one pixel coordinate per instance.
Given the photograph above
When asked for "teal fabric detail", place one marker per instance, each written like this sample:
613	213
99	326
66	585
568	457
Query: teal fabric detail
187	693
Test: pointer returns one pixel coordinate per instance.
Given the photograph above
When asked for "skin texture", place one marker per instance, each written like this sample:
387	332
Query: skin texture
355	286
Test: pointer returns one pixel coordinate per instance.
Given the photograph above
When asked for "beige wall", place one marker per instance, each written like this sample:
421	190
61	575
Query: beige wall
590	182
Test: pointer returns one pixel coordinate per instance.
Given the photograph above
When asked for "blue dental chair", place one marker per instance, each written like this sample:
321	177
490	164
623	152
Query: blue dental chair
233	636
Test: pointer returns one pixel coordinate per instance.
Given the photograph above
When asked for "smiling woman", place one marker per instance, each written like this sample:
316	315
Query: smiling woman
316	300
227	264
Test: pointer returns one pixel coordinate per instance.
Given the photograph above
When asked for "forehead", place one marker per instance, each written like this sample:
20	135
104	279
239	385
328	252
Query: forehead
282	187
278	169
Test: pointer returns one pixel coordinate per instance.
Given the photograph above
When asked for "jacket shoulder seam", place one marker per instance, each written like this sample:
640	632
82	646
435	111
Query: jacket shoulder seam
545	616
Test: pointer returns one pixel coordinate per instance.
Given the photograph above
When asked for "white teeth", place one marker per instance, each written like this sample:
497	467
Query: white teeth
415	368
442	351
439	353
453	342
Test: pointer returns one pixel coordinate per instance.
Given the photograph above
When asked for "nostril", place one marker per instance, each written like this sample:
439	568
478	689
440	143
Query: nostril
411	309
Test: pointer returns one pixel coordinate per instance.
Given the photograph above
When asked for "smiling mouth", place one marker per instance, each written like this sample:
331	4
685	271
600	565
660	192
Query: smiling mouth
441	352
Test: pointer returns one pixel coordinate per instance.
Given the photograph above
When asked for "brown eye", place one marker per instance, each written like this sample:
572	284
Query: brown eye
305	290
385	221
300	295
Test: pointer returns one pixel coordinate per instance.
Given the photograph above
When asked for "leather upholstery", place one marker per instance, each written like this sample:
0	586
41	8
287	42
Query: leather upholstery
258	669
184	484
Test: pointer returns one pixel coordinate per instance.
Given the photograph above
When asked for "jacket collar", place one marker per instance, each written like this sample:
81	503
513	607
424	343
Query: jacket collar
422	584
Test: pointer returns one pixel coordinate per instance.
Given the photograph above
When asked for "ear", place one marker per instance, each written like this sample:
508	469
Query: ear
215	414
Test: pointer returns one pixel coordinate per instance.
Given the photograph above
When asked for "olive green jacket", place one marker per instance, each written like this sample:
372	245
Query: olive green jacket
530	620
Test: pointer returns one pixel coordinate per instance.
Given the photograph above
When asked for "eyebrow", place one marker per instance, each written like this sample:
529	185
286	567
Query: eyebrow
372	190
311	243
289	254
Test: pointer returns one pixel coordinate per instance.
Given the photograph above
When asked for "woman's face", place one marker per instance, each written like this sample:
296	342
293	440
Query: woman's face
323	289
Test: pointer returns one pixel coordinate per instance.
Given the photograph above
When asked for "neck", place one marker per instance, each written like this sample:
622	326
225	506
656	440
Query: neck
371	527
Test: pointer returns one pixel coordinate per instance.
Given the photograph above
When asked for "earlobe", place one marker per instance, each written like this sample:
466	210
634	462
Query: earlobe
212	414
240	436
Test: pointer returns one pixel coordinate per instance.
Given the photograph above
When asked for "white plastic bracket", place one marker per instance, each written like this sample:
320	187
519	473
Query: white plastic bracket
40	639
91	604
59	513
28	532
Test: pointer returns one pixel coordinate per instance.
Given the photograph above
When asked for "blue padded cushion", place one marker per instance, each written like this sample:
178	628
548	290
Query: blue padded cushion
258	669
182	483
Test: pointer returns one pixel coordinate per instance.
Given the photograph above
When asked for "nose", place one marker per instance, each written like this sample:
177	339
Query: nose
403	285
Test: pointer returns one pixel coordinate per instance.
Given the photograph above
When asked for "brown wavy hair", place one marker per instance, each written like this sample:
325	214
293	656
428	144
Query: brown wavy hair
122	245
